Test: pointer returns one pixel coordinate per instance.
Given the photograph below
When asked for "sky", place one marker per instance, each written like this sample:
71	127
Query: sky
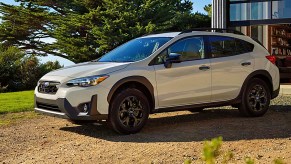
197	7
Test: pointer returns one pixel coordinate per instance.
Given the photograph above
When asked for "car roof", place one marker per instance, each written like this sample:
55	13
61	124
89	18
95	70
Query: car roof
168	34
174	34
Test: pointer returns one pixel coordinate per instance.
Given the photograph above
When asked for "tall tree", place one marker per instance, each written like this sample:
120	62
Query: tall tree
19	71
123	20
208	9
86	29
29	25
10	61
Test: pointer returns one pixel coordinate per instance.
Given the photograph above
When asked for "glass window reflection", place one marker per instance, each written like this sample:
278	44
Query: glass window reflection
250	11
281	9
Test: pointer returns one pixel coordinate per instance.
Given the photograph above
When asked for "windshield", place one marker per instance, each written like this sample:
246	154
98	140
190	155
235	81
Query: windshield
135	50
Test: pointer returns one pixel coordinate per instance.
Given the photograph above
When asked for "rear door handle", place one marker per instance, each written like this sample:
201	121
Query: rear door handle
204	68
246	63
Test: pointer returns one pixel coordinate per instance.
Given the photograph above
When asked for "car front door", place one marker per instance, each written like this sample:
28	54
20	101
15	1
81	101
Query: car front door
187	82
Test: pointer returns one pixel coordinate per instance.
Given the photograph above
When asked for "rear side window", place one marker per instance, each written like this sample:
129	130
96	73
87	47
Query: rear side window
226	46
243	46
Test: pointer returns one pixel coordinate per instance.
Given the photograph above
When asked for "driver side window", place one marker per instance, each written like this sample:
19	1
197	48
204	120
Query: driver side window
189	49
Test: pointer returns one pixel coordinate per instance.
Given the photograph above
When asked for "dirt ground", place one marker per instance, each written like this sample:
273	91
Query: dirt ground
167	138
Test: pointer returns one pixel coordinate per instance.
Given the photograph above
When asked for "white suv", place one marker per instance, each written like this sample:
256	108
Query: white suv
163	72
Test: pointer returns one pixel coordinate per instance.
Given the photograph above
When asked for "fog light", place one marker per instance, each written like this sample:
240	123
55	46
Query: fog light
84	108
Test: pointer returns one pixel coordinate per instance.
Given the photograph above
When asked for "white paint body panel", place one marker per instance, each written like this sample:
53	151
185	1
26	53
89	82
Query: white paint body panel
183	84
228	76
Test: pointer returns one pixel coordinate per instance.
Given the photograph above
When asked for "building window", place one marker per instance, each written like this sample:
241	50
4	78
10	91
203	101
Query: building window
238	12
281	9
257	33
260	10
250	11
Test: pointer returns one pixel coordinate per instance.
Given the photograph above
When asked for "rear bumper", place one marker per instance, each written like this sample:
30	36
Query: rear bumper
62	108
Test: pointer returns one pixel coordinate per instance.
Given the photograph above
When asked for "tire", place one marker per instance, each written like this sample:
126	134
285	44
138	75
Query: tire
129	111
255	99
196	110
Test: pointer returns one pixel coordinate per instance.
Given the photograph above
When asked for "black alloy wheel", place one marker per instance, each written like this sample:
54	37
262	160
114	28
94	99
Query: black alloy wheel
129	111
255	99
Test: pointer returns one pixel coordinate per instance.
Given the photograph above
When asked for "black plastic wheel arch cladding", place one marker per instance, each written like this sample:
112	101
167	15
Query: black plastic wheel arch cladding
259	74
134	79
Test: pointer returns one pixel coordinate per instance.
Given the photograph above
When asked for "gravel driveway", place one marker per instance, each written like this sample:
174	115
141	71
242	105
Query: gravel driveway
167	138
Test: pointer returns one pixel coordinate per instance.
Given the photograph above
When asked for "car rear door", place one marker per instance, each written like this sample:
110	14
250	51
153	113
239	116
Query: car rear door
231	63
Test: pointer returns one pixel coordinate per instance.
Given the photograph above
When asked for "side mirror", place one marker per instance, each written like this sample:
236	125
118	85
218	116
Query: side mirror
172	58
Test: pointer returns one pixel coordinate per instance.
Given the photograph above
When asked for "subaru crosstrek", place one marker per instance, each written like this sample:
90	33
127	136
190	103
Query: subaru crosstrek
163	72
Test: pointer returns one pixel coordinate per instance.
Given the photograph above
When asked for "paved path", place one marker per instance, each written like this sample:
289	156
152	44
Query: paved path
285	90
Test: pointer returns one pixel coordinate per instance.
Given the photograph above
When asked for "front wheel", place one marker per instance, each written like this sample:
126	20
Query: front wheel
255	99
129	111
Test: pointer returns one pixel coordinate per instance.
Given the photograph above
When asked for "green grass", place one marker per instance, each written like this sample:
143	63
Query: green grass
12	118
16	102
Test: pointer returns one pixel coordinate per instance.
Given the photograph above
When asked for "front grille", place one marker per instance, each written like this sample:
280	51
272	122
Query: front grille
48	107
48	87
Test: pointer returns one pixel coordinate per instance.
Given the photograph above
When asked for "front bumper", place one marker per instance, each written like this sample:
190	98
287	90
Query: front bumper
62	108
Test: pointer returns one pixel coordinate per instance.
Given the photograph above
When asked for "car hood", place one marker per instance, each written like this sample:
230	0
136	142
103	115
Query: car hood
88	69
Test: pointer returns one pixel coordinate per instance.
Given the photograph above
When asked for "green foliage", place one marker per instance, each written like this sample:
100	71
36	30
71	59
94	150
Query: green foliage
16	101
211	150
10	60
11	118
279	161
187	161
86	29
249	160
20	72
123	20
208	9
29	72
227	157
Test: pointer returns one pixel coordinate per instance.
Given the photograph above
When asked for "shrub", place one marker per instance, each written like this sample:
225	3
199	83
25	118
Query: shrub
20	72
211	151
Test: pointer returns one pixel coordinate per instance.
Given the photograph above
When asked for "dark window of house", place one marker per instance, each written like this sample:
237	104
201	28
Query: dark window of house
227	46
257	33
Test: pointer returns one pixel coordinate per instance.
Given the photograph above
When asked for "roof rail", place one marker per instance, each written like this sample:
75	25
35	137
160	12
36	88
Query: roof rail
157	32
221	30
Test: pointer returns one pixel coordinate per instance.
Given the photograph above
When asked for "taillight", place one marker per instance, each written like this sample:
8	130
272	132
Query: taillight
272	59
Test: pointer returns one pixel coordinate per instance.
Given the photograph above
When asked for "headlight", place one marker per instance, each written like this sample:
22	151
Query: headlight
87	81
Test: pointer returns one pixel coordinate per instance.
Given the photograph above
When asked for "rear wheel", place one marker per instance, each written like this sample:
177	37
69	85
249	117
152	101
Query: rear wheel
255	99
129	111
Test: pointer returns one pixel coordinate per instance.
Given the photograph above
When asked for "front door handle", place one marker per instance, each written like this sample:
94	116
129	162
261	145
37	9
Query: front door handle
204	68
246	63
